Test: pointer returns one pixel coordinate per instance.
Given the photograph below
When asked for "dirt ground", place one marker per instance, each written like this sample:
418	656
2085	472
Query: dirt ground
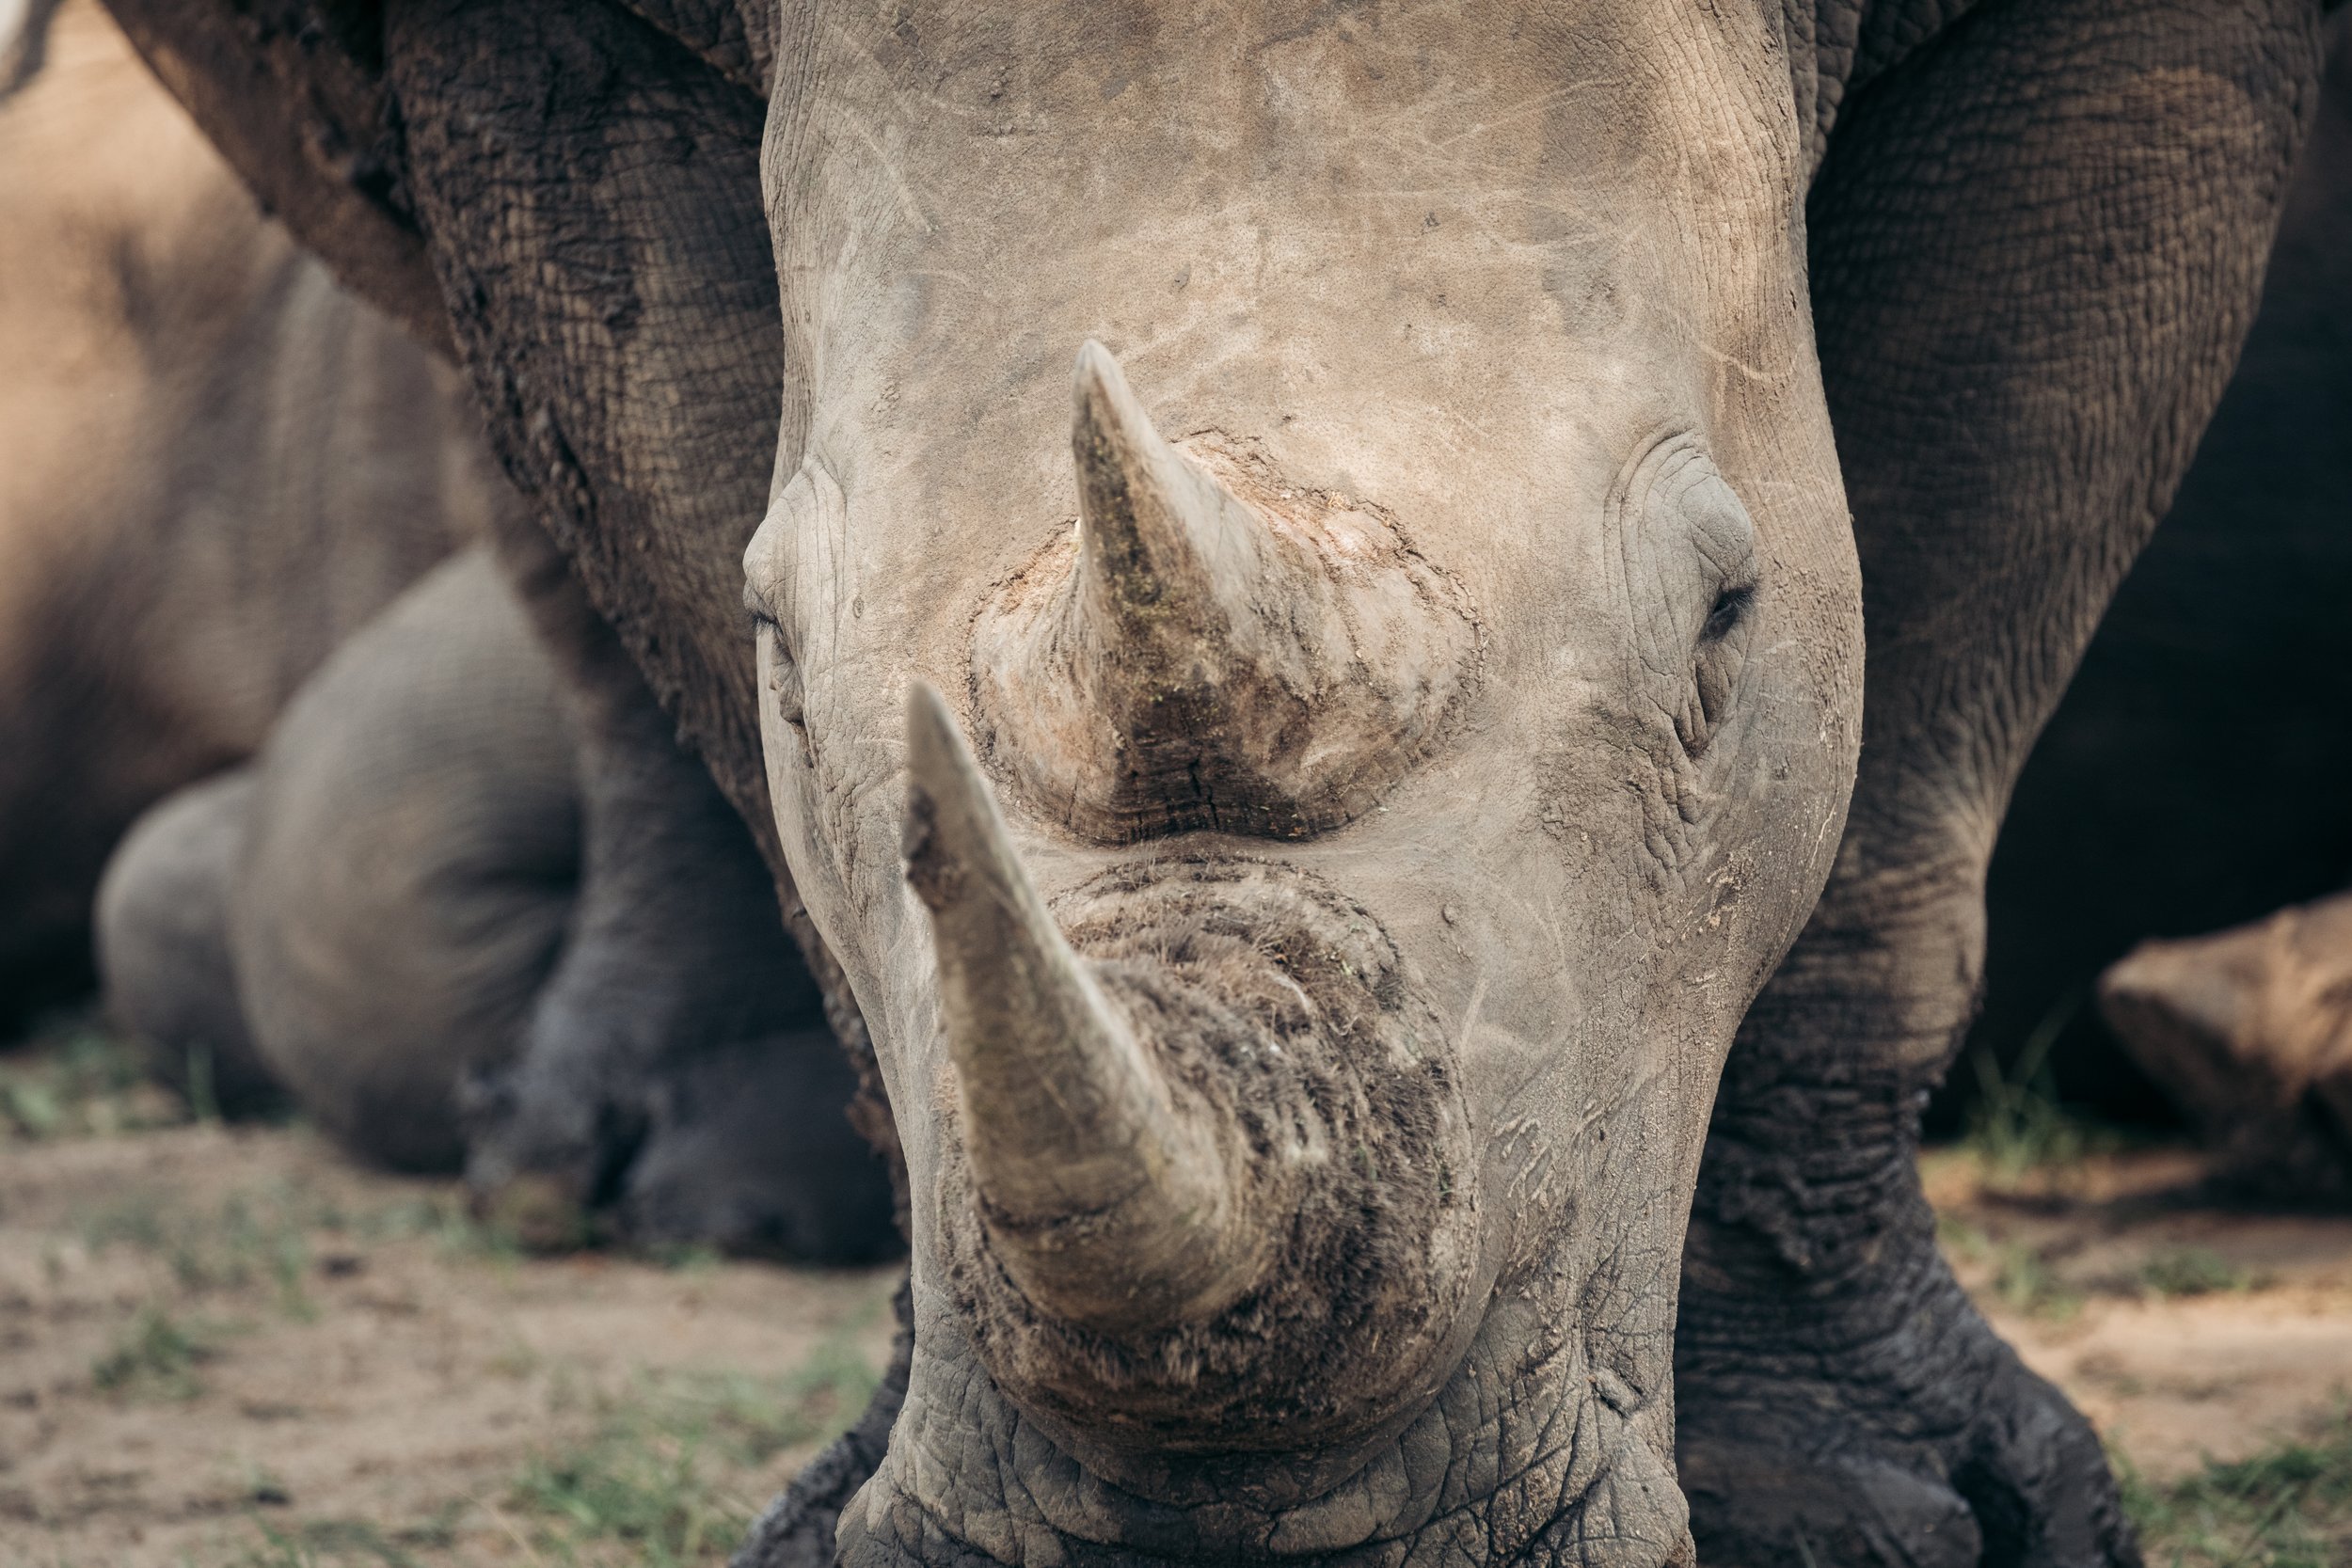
228	1348
2188	1333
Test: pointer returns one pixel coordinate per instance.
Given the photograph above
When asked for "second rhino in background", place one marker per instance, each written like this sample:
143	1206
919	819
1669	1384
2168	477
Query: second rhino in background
375	912
215	466
460	860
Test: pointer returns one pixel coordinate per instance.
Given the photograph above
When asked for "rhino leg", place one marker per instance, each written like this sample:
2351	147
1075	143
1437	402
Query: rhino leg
799	1529
677	1067
410	869
163	945
2013	403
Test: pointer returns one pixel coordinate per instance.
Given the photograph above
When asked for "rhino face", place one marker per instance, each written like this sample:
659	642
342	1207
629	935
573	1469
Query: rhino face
1303	813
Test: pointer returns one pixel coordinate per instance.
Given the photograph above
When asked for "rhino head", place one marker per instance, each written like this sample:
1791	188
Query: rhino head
1303	826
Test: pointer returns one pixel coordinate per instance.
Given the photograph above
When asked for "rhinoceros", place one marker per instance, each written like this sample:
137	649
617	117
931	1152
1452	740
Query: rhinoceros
399	911
1310	565
216	468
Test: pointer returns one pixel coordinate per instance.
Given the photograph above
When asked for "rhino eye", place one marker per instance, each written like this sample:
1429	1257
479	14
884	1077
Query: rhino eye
1730	608
757	612
1715	672
1726	543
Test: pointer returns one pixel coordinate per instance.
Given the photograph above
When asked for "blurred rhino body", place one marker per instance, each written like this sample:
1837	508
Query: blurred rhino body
464	854
373	916
215	466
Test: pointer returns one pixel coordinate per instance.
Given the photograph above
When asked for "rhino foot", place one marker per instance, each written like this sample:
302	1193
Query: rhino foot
1933	1447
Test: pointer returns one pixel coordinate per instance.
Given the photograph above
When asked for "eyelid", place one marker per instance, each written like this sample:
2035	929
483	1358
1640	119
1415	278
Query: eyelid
757	607
1730	607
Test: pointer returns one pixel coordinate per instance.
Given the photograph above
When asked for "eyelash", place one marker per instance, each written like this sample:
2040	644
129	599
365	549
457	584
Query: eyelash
1730	605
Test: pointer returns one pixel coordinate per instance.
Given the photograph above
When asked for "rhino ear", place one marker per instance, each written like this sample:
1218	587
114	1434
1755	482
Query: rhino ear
1107	1204
1221	649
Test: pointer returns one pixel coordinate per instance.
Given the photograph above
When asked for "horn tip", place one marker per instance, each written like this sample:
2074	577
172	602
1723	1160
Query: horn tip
1099	388
928	719
935	741
1095	362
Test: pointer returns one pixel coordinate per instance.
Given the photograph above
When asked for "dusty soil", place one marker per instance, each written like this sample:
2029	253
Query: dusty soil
228	1348
2188	1331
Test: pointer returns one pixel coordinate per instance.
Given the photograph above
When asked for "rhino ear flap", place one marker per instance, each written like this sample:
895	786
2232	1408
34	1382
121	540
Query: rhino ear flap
1106	1205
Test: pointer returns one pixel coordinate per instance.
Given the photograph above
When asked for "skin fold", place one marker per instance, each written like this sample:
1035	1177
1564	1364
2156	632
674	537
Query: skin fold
1694	348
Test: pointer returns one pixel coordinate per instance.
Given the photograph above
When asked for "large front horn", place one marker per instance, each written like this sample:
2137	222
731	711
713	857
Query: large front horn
1108	1202
1218	648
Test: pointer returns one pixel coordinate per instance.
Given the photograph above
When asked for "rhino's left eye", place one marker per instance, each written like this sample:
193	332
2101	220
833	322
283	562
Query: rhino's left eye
758	611
1730	607
1723	540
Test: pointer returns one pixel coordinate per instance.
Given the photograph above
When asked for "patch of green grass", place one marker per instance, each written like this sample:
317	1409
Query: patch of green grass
2022	1280
695	1258
72	1078
2288	1507
136	1219
2193	1272
252	1238
2017	1124
316	1542
446	1220
671	1475
156	1358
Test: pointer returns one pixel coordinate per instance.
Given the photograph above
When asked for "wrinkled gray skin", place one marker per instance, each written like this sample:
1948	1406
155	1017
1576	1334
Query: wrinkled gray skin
214	465
2149	807
388	913
1570	303
162	933
370	986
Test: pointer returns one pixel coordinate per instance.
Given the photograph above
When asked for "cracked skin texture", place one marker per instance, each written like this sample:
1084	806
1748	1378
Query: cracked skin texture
919	186
2025	281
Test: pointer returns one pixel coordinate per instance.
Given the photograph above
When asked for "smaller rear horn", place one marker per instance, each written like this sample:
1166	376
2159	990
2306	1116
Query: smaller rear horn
1216	649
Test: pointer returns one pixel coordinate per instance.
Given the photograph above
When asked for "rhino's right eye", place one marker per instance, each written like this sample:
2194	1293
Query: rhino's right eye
783	674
